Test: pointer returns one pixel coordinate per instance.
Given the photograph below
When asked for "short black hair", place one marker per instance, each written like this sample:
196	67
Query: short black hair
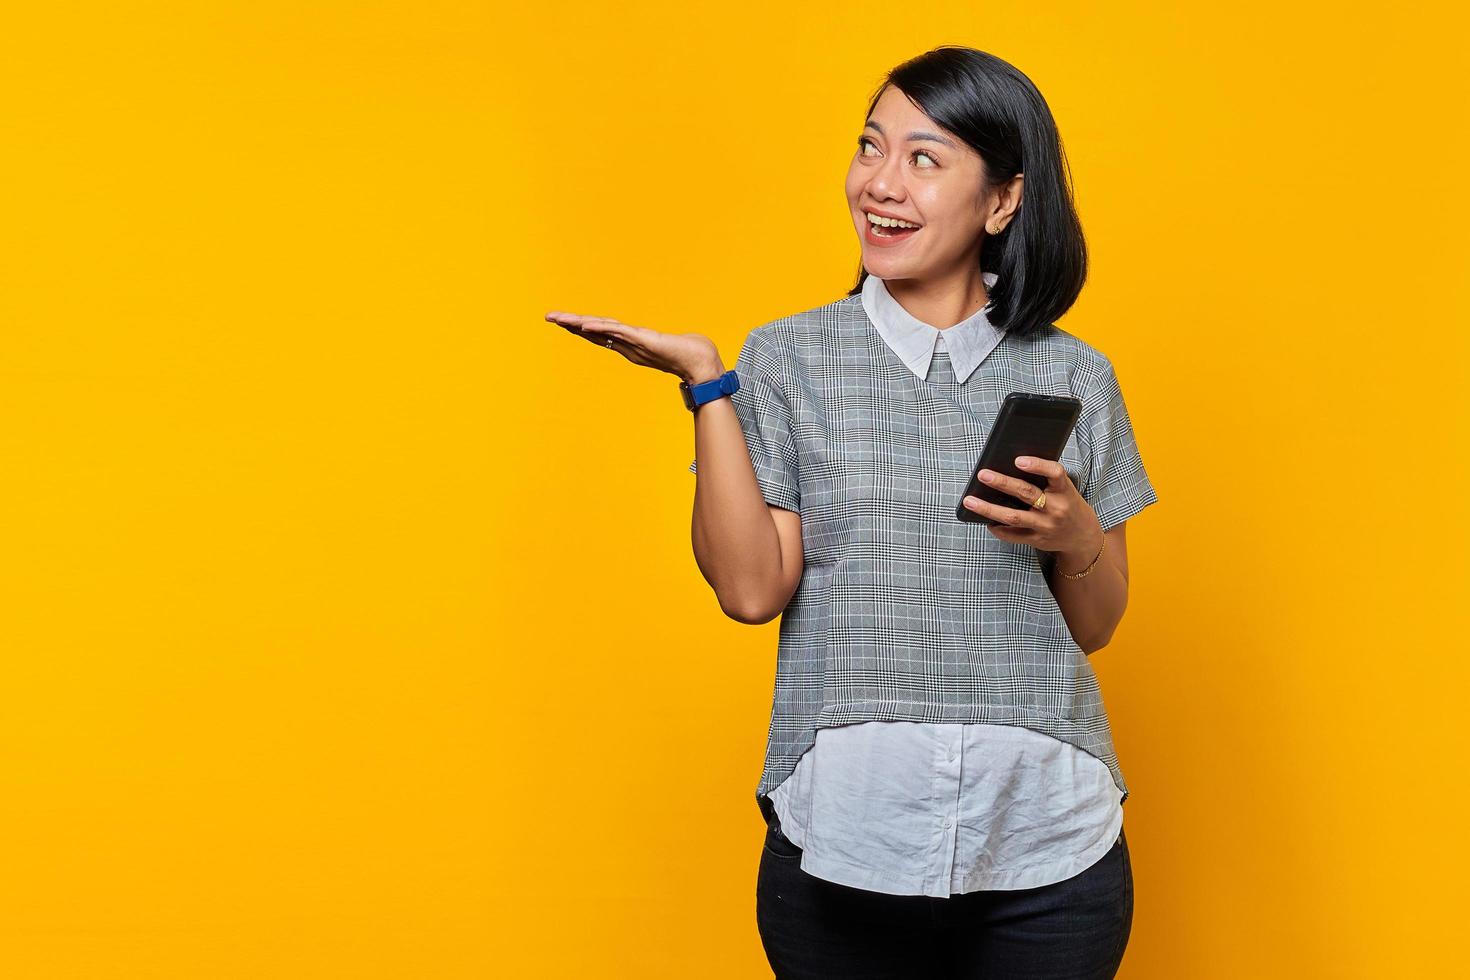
1040	258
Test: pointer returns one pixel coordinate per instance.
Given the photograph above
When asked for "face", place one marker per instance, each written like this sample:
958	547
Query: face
907	167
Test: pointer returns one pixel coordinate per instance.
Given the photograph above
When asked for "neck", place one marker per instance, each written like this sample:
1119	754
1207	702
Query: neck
941	303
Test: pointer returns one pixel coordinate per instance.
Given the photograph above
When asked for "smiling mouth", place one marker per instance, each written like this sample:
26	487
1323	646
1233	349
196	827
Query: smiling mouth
888	236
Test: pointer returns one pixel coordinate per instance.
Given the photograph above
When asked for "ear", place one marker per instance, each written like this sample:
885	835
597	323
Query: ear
1011	199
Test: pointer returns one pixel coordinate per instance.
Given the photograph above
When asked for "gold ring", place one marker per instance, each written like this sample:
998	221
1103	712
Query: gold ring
1040	502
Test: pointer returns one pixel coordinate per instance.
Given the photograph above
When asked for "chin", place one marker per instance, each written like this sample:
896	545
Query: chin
889	266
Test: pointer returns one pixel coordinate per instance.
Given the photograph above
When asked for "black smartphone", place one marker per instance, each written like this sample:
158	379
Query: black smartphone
1028	425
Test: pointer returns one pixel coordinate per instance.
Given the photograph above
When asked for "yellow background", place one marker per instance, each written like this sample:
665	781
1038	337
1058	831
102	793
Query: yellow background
351	625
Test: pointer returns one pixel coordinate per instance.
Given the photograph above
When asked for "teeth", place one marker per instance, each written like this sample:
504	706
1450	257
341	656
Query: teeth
890	222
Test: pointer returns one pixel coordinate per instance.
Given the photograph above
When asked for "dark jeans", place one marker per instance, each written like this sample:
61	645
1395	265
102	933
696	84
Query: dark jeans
813	929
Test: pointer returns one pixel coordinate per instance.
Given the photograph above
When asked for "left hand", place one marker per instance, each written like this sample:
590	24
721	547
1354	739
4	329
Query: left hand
1067	523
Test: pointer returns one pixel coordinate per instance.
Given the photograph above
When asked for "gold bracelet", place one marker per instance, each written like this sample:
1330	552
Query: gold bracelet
1089	567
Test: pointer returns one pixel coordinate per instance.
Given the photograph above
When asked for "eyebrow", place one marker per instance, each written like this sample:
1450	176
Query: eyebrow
916	135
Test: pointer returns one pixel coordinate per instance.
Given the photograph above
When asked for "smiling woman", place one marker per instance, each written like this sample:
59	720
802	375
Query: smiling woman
938	732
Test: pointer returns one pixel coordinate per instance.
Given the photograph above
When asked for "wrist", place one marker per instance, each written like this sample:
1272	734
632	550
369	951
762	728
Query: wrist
1072	562
705	371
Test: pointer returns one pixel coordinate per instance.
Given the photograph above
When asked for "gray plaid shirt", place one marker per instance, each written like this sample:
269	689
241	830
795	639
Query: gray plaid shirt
905	612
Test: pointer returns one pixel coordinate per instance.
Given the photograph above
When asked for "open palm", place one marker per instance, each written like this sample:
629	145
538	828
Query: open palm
681	354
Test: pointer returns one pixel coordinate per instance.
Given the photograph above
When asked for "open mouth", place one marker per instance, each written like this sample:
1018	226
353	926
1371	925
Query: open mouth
888	233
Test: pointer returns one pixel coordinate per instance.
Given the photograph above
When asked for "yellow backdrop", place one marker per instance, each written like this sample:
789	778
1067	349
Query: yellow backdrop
351	625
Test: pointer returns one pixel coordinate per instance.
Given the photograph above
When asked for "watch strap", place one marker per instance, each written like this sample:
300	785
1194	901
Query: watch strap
707	391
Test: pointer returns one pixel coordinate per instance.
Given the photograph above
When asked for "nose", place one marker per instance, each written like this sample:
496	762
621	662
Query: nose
887	180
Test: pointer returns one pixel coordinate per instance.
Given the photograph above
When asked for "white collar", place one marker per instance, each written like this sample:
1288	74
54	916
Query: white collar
914	341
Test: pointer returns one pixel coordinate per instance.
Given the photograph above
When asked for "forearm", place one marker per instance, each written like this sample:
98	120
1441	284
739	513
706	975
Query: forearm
1092	605
735	541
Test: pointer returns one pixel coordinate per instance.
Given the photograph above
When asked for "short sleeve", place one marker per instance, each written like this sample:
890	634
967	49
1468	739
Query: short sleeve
1116	485
766	418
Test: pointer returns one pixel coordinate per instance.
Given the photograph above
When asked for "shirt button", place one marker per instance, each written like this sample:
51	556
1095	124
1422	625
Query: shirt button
948	822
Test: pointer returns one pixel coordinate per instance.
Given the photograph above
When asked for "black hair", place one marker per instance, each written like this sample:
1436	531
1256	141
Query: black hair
1040	257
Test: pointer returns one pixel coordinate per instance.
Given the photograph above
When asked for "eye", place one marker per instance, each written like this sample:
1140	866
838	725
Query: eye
864	142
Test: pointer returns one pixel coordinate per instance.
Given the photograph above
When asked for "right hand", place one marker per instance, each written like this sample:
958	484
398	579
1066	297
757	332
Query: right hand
691	356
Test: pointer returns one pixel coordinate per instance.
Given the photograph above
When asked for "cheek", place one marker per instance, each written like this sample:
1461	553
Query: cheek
954	235
958	220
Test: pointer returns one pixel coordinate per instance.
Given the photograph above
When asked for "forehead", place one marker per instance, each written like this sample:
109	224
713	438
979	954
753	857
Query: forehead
895	109
897	119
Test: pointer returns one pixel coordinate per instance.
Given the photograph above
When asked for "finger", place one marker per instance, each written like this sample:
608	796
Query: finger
587	335
623	333
579	319
602	327
1054	471
1020	489
1006	515
589	329
600	340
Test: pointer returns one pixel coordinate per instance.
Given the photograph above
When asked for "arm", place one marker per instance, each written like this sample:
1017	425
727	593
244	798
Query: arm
749	551
1115	488
1093	605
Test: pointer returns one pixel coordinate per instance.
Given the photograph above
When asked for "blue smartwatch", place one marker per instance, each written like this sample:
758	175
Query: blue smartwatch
707	391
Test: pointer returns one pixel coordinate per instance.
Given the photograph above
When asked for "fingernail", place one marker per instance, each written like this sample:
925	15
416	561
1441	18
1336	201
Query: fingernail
1023	460
986	475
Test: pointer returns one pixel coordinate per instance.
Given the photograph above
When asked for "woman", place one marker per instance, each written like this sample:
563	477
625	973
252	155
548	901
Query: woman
941	792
